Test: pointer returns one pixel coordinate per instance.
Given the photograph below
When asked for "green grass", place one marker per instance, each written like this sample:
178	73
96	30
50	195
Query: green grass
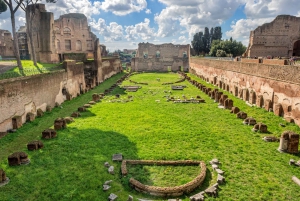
29	69
70	167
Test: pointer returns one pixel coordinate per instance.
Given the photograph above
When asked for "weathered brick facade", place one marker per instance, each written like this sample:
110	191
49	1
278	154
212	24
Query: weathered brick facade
6	44
164	57
279	38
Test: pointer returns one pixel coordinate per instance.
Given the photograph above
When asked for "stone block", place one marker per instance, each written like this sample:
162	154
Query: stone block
111	170
35	145
219	171
17	122
39	113
112	197
198	196
289	142
60	123
69	120
49	133
270	139
96	97
223	98
260	127
252	97
228	104
241	115
30	117
75	114
87	105
92	102
81	109
18	158
2	176
117	157
249	121
235	110
212	191
220	179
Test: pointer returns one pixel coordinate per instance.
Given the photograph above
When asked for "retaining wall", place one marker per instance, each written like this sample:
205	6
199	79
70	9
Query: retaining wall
277	87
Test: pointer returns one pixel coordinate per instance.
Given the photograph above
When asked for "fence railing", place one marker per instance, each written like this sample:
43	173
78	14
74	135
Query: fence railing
28	72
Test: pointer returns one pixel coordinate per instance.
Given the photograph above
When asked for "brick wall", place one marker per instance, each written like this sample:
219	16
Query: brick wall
280	84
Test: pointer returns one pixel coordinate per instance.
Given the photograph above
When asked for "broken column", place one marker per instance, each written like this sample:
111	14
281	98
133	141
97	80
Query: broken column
18	158
60	123
49	133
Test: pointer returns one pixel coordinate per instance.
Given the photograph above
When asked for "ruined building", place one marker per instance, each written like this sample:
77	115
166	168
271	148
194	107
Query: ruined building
6	44
164	57
68	37
279	38
23	43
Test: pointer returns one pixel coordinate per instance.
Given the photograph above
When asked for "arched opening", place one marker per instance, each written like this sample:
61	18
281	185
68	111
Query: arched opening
296	48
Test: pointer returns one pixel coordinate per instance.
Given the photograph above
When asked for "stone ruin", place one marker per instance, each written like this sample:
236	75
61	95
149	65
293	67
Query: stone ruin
260	127
289	142
3	179
270	139
18	158
241	115
278	110
218	96
39	113
96	97
30	117
35	145
165	191
60	123
17	122
48	108
268	105
228	104
49	133
75	114
235	110
222	99
131	88
81	109
177	87
249	121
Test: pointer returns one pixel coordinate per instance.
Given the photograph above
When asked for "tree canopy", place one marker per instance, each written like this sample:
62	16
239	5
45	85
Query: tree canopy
202	41
3	6
230	47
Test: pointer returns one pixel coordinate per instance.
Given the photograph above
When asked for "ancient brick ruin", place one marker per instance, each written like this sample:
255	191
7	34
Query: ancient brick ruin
49	133
163	58
289	142
274	88
18	158
279	38
35	145
165	191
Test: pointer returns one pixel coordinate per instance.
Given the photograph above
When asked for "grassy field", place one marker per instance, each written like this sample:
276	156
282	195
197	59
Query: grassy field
29	69
71	166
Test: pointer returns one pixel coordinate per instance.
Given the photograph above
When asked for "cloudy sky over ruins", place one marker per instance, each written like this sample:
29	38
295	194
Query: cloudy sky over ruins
124	23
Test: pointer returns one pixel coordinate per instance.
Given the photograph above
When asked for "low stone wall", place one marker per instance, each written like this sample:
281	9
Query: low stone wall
273	87
166	191
23	95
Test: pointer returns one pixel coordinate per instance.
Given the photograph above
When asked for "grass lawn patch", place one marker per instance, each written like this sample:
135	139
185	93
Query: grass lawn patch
71	166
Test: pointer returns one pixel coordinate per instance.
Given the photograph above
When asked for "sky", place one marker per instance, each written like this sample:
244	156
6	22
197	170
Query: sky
122	24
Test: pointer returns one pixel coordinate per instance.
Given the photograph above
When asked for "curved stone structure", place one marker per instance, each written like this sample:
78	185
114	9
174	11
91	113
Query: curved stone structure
165	191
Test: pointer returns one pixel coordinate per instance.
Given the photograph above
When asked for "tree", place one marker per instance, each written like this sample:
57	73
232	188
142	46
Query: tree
221	53
217	35
30	12
13	10
3	7
206	40
233	48
197	43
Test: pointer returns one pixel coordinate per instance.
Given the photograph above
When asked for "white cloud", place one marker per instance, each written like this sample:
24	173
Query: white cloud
141	30
271	8
111	32
240	31
148	11
123	7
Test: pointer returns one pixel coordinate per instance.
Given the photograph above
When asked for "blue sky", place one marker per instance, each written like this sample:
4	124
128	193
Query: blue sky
121	24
